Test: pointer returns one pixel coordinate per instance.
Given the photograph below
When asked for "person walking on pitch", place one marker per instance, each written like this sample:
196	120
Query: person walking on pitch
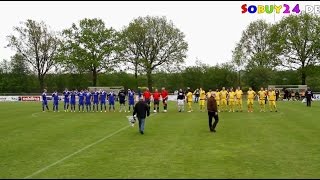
212	112
142	110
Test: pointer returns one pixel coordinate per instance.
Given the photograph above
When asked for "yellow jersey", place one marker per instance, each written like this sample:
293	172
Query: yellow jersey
189	96
223	94
232	95
202	95
272	95
262	95
208	94
217	95
239	94
251	94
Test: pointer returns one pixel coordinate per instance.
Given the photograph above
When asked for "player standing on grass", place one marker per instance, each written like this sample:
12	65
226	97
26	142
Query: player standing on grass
232	96
223	97
142	110
73	101
217	94
95	100
251	96
262	98
164	96
103	97
111	98
190	99
88	96
156	98
44	100
239	99
130	99
122	100
272	100
147	96
66	94
81	100
55	98
180	100
202	99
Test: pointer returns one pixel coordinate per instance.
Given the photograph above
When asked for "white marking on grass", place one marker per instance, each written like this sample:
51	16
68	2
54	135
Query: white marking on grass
77	152
34	114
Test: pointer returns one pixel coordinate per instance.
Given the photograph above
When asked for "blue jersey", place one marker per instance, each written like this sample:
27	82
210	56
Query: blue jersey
55	97
73	97
131	96
44	97
88	98
66	96
96	97
111	97
81	97
103	97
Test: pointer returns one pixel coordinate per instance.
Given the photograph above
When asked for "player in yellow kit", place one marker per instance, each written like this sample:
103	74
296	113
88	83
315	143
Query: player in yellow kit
218	99
202	99
223	97
262	96
231	97
251	96
272	100
189	98
239	99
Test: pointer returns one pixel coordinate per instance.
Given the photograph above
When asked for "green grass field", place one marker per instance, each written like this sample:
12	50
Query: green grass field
285	144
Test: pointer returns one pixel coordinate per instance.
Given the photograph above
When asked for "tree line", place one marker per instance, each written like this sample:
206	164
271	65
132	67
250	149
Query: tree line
150	51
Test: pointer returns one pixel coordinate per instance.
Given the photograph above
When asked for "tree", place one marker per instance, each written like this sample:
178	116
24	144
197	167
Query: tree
89	46
37	44
19	73
253	49
154	43
296	43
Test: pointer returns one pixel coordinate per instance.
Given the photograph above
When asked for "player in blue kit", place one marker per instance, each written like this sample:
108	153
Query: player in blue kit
111	97
44	100
88	97
73	100
55	98
66	95
130	99
103	97
95	100
81	100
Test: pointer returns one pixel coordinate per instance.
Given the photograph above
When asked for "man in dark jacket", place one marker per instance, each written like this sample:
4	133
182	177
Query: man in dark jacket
212	112
142	110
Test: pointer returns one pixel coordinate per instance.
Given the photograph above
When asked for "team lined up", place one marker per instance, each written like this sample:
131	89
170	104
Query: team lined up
228	99
95	98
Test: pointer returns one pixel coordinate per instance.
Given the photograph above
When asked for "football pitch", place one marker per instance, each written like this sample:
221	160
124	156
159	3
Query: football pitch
283	144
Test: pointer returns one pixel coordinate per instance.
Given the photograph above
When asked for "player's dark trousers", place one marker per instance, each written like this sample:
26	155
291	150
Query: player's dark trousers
141	125
309	102
216	120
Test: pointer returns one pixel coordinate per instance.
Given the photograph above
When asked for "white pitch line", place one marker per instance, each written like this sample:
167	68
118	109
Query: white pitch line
77	152
34	114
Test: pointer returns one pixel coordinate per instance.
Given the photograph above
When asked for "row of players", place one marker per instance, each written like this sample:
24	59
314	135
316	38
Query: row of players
87	98
231	99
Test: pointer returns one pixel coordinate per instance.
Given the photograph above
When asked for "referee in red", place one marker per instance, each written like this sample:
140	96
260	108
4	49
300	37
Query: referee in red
164	95
147	96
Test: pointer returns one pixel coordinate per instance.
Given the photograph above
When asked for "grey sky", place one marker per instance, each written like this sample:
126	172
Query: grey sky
211	28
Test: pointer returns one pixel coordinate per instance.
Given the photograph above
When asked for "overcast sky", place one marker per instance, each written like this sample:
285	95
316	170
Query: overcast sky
211	28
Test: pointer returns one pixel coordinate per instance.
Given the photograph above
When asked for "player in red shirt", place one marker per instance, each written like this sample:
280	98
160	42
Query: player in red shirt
147	96
156	98
164	95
